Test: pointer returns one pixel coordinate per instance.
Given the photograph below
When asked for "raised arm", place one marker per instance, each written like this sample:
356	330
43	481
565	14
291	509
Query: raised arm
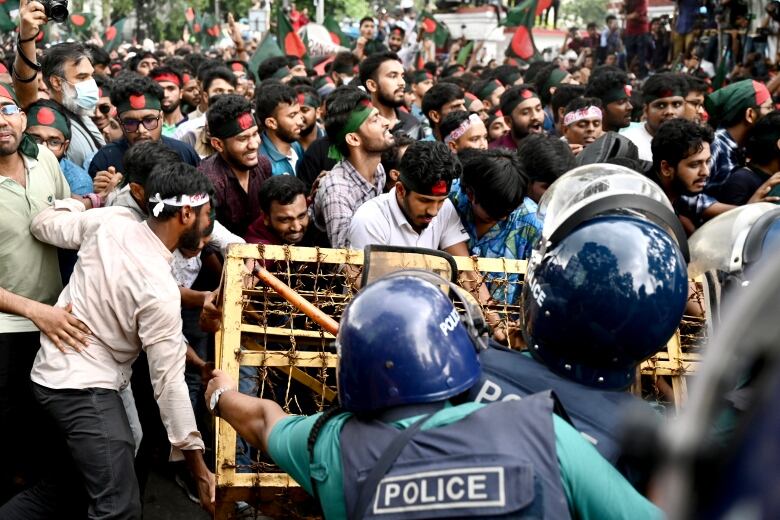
25	69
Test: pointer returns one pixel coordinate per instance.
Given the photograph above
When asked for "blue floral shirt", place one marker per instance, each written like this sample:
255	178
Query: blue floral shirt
512	238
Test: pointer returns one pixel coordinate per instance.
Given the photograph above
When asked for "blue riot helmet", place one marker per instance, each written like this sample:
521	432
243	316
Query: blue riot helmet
727	250
606	285
402	341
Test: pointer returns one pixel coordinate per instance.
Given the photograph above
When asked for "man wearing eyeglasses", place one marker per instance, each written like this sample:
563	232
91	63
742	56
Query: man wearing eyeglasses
30	180
50	127
138	101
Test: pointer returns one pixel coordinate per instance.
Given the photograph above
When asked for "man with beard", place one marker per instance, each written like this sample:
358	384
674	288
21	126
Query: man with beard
277	110
416	212
285	216
523	113
310	102
237	170
610	85
138	101
358	135
663	96
382	75
67	72
123	290
395	41
171	81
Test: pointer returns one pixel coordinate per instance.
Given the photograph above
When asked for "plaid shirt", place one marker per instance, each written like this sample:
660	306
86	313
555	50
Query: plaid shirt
512	238
726	157
340	194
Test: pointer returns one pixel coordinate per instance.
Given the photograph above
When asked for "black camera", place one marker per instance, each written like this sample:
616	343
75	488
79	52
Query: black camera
56	10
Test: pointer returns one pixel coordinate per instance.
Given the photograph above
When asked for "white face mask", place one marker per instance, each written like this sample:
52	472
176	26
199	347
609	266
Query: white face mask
80	98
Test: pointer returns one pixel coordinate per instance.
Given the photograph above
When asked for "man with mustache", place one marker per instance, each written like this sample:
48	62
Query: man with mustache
382	75
523	113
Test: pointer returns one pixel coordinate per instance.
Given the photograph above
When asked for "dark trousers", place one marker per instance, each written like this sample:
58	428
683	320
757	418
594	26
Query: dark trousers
96	459
22	420
636	49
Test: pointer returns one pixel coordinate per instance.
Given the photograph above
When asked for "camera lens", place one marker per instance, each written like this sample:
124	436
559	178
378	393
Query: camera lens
59	11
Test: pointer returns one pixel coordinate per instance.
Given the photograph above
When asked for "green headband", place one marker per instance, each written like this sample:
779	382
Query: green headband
138	102
556	76
616	94
420	76
39	115
356	118
281	73
234	127
488	89
306	99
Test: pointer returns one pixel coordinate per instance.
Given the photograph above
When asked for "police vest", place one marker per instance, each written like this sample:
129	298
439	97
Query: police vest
596	414
498	462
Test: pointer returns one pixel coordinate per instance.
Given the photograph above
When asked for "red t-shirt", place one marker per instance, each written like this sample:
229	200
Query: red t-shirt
640	25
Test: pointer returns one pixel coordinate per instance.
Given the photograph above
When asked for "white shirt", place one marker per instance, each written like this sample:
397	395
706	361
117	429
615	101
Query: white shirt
122	289
639	135
381	221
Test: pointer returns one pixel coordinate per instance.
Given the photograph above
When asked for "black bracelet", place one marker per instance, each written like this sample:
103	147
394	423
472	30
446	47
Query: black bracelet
33	65
22	80
19	37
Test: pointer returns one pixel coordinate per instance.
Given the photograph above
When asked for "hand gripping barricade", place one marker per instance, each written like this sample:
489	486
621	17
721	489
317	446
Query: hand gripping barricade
606	286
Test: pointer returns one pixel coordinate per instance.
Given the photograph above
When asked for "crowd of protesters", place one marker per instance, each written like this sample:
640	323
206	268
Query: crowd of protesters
383	148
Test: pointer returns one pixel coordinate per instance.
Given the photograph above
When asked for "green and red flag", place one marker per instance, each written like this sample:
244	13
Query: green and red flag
288	39
114	35
336	34
7	22
80	23
267	48
434	30
522	45
206	30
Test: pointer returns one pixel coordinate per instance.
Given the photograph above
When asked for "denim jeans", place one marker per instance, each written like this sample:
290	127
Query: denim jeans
97	460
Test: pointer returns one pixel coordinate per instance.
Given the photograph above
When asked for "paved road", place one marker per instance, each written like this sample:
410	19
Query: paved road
164	500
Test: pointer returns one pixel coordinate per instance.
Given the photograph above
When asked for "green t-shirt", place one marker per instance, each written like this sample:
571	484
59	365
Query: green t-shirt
593	487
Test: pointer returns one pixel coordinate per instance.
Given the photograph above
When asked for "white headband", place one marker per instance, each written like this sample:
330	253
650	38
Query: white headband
199	199
462	128
583	113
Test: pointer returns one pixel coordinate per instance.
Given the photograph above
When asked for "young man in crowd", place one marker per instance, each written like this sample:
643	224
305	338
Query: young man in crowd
611	86
488	201
214	80
382	75
48	125
463	131
582	123
81	391
762	149
663	96
544	158
275	67
310	103
104	110
359	137
563	95
694	101
237	170
278	111
546	82
367	44
138	101
171	82
489	91
422	81
733	110
496	125
523	114
29	284
285	214
439	101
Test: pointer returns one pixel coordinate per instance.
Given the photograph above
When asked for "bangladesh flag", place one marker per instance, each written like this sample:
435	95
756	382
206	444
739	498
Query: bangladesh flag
288	39
333	27
8	11
267	48
114	36
523	17
80	23
434	30
207	30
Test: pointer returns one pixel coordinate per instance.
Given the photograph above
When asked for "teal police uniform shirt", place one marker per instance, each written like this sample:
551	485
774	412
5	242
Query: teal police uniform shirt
594	489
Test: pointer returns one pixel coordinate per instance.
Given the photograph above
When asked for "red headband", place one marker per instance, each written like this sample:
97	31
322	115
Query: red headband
762	93
167	76
440	188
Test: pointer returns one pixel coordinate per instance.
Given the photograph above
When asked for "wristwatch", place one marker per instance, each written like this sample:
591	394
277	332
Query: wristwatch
214	401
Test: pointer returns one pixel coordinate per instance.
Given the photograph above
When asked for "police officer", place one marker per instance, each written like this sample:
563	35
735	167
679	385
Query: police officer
605	289
400	446
738	478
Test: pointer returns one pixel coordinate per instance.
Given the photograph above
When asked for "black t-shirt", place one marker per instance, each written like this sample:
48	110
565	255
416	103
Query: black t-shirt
314	161
113	154
741	185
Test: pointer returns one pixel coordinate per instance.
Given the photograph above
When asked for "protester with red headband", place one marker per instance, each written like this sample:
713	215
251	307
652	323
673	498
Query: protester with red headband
171	82
523	114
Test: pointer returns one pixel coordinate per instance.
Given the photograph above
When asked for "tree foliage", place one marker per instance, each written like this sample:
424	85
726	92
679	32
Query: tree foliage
584	11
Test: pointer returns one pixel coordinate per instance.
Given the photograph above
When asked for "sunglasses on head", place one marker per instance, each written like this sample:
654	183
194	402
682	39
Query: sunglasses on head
150	123
104	109
10	110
